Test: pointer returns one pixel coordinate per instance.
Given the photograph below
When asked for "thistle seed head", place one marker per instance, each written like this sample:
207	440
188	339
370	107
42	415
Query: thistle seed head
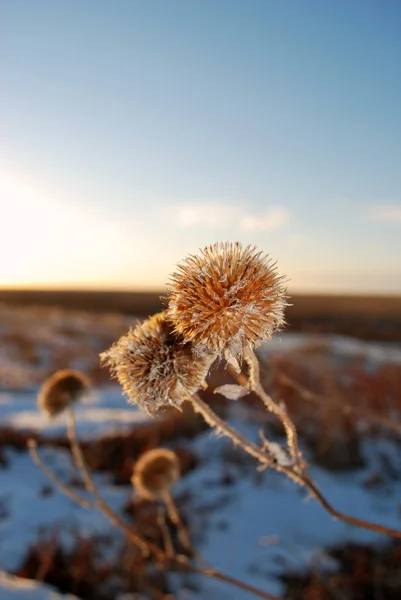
155	472
226	299
155	366
62	389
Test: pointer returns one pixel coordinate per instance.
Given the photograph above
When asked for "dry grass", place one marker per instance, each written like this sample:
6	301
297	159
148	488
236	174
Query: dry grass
368	317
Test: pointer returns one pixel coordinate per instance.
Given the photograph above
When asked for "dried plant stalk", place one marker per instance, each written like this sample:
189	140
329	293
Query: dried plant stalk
278	410
175	518
63	487
168	542
92	488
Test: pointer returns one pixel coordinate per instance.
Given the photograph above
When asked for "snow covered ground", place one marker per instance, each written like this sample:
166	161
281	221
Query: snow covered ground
15	588
104	411
251	524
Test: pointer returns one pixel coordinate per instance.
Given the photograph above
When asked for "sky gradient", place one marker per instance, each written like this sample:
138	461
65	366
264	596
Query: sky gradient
135	132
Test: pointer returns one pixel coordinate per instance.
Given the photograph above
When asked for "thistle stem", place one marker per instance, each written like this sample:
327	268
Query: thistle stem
92	488
63	487
179	561
279	411
310	396
301	475
175	518
222	426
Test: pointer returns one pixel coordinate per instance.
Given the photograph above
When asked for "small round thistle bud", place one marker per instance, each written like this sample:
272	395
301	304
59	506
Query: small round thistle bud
155	472
227	299
155	367
62	389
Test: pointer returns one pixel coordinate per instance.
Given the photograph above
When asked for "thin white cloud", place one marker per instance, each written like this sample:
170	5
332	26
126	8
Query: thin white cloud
218	215
205	214
390	213
273	218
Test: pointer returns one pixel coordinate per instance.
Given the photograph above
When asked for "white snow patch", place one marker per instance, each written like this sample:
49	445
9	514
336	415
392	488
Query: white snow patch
16	588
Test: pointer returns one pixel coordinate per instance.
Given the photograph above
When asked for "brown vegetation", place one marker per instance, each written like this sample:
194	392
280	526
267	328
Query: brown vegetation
367	317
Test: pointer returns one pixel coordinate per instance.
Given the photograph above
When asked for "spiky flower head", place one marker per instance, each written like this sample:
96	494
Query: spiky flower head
155	366
226	299
155	472
61	390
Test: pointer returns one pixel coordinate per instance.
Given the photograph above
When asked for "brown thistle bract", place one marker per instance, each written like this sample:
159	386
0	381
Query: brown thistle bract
226	299
155	472
154	365
62	389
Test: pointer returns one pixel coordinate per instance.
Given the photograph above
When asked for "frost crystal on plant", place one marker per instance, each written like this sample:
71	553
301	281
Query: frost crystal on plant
155	366
227	299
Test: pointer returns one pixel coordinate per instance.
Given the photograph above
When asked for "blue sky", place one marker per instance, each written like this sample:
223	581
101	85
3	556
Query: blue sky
135	132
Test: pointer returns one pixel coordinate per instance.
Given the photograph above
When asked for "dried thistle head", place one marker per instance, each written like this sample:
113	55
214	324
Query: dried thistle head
155	472
62	389
226	299
155	366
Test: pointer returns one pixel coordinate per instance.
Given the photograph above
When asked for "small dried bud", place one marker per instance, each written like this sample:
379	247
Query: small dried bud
155	472
155	366
62	389
227	299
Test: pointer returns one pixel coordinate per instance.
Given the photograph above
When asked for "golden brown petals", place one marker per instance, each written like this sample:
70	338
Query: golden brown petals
226	299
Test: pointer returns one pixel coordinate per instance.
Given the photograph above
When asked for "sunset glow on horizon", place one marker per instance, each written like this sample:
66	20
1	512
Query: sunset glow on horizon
169	126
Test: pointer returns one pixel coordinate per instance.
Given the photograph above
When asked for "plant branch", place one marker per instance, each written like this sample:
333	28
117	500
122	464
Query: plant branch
303	476
181	562
145	546
278	410
175	518
216	574
63	487
310	396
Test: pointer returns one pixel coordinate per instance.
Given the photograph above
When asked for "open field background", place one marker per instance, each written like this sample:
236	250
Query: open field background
365	317
342	391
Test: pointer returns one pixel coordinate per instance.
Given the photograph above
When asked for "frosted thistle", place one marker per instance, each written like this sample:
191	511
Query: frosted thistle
227	299
155	472
155	366
62	389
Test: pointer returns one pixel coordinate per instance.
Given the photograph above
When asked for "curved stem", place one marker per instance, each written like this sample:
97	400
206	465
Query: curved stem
302	476
317	494
145	546
221	426
181	562
310	396
63	487
279	411
215	574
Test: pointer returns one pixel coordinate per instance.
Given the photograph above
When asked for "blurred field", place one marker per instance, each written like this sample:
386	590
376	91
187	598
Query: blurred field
344	395
365	317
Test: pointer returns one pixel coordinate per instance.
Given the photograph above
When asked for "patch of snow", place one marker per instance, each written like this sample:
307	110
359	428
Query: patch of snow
29	511
336	345
104	412
16	588
238	520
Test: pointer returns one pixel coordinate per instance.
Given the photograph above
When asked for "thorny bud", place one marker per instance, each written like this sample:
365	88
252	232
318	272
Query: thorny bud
155	472
61	390
155	366
226	299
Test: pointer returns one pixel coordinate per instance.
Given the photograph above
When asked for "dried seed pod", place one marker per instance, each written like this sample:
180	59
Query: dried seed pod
155	366
155	472
226	299
62	389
